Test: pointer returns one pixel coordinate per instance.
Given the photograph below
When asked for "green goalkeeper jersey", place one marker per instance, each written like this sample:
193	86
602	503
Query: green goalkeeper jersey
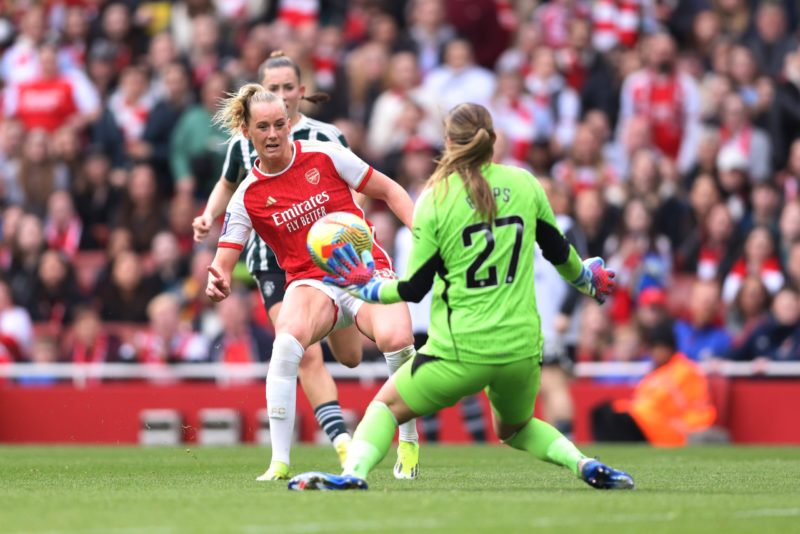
484	304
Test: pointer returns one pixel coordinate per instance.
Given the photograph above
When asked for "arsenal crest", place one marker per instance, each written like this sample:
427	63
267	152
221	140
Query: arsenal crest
313	176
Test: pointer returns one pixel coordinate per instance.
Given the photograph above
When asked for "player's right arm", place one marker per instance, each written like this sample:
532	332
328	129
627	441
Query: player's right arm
232	171
235	233
219	198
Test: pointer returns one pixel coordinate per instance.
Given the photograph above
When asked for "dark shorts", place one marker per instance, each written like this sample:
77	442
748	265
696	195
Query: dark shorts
271	286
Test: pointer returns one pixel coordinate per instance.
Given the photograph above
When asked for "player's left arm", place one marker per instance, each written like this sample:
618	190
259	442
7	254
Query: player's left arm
423	263
590	276
381	187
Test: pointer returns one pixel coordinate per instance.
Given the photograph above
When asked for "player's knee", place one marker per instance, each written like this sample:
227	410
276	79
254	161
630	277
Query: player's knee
349	358
394	340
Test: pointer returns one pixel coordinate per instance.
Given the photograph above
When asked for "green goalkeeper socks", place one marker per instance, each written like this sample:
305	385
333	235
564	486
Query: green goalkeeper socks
371	440
546	443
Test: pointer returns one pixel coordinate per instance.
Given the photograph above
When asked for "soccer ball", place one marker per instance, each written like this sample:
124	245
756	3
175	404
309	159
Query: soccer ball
333	231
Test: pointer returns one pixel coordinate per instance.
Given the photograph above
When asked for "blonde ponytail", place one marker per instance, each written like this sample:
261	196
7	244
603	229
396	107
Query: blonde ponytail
235	110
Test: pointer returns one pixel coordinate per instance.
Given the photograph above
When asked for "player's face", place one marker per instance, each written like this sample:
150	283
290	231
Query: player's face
283	82
268	129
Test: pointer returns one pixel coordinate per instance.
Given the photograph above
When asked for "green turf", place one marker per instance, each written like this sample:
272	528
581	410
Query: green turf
122	490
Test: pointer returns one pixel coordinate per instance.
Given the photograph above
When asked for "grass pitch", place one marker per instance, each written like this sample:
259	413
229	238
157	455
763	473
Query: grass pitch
127	490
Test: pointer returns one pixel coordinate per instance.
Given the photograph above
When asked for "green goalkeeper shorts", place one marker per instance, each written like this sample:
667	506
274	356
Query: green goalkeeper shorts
427	384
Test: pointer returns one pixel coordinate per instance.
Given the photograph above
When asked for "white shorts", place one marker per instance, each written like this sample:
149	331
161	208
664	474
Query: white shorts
345	305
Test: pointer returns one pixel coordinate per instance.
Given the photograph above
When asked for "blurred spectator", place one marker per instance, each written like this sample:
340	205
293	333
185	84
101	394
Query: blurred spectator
703	195
51	98
789	228
63	227
116	31
123	121
594	343
777	338
43	352
161	56
734	181
88	341
710	251
366	69
19	62
584	166
16	328
9	222
197	145
594	220
96	200
12	135
154	144
73	50
208	53
166	340
702	335
55	291
748	310
39	173
67	149
513	113
180	213
552	20
770	42
756	91
26	253
793	266
738	133
760	259
101	69
387	131
735	17
788	180
459	79
429	31
241	340
765	209
169	265
785	120
651	307
634	138
640	257
668	405
481	22
519	57
669	99
142	209
125	297
196	308
558	107
589	72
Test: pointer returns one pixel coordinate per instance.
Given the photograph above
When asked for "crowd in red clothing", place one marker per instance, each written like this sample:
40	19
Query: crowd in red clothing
667	134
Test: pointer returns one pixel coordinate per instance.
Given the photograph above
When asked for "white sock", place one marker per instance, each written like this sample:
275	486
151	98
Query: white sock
282	393
408	430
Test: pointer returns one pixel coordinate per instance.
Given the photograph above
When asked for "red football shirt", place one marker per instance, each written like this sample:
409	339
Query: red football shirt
281	207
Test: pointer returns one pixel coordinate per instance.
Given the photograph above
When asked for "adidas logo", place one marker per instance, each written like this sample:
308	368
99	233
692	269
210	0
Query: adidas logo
270	201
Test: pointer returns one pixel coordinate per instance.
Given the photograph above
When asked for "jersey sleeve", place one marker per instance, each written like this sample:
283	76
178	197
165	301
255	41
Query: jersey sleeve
555	247
424	260
352	169
237	224
236	160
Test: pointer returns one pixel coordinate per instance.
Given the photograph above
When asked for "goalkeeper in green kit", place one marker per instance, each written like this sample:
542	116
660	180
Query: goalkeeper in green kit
473	240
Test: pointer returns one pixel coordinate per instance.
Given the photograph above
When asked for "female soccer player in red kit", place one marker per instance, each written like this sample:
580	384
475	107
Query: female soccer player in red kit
291	185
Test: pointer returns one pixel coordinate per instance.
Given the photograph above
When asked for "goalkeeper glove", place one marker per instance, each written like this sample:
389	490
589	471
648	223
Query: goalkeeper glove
354	273
595	280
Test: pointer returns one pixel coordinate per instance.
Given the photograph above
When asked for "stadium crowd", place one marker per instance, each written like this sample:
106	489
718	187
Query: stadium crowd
667	134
